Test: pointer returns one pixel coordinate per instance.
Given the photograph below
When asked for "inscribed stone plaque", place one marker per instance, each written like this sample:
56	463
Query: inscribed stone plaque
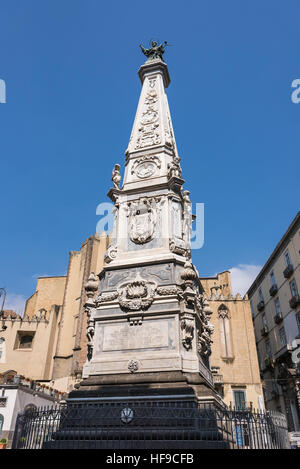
151	334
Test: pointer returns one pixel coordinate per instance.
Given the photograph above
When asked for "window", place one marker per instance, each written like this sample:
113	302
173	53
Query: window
3	401
277	306
75	324
268	349
293	287
264	321
225	336
29	409
282	336
260	295
298	321
287	258
239	400
272	278
1	422
24	340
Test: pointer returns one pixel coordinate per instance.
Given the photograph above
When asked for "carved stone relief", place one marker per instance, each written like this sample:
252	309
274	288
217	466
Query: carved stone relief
149	129
146	166
137	294
174	169
133	366
187	328
143	217
110	254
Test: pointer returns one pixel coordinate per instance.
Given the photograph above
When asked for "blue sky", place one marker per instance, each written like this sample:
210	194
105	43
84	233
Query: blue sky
70	68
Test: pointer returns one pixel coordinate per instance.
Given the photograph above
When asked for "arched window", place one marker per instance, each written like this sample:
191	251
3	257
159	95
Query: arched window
225	336
29	409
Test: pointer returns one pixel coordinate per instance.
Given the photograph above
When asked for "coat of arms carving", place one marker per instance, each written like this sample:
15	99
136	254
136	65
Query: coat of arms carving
137	294
142	220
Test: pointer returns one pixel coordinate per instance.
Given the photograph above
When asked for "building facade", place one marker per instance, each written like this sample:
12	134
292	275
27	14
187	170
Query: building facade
275	305
48	343
29	345
233	360
18	395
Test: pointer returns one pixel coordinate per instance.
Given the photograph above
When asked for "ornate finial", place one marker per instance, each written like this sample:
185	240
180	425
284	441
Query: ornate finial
154	52
188	275
206	308
91	285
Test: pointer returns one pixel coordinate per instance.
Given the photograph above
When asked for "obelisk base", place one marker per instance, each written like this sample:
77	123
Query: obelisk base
166	410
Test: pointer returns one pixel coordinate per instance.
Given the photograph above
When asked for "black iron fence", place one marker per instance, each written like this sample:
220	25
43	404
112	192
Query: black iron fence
139	425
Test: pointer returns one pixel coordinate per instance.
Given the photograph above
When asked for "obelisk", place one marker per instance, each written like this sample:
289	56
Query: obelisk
148	322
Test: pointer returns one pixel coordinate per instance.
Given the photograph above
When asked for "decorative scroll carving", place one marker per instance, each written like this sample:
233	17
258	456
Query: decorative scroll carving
178	246
110	254
187	328
137	294
205	327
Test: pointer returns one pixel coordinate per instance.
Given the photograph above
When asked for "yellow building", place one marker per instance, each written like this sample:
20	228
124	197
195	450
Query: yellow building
233	360
49	342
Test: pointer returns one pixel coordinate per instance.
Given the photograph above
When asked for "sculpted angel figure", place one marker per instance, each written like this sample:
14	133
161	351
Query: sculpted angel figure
116	176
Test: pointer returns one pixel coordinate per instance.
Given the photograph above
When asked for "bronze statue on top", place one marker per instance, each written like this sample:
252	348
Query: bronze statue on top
154	52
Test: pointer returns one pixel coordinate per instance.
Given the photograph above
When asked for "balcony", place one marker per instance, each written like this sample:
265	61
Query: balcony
278	318
264	331
218	379
288	271
261	305
294	301
273	290
269	363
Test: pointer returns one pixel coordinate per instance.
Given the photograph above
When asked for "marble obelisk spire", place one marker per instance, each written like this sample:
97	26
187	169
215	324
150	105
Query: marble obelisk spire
153	216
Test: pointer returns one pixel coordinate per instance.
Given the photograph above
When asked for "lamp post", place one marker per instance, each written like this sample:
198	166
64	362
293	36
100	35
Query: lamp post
3	294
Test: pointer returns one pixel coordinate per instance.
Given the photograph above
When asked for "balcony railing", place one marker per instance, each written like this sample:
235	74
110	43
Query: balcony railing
288	271
294	301
261	305
269	363
218	379
273	290
264	331
278	318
